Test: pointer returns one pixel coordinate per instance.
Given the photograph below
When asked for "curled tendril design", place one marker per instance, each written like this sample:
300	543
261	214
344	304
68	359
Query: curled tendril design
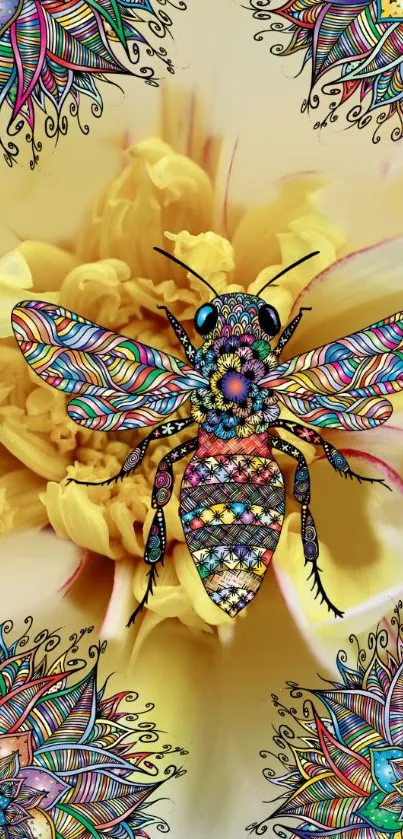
258	828
61	54
359	47
282	709
361	652
62	732
344	742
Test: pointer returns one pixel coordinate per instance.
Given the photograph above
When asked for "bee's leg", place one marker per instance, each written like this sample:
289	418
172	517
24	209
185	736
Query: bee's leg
289	331
156	541
302	494
135	457
334	456
180	332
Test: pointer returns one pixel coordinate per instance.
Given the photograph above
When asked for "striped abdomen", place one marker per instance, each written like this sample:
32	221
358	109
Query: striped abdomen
232	509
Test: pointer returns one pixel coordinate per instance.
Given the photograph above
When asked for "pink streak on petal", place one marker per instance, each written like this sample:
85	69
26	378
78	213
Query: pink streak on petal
392	476
343	261
227	187
65	588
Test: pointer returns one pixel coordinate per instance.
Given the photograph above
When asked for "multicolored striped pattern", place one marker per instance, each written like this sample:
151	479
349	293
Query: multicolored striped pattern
120	383
344	777
355	53
72	764
340	384
52	51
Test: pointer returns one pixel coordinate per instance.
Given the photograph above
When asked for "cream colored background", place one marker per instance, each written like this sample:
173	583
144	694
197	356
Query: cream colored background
213	700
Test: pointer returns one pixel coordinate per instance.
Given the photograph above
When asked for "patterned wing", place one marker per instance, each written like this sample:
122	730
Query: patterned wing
117	382
341	385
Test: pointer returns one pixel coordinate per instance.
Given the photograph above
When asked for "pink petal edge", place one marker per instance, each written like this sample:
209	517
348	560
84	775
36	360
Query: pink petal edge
344	259
67	585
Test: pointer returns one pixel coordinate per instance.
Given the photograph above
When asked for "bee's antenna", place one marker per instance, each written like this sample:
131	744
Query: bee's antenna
183	265
289	268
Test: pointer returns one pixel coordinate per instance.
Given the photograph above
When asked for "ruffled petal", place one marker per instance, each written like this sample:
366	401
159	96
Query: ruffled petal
74	516
284	230
356	291
47	263
15	281
20	504
158	190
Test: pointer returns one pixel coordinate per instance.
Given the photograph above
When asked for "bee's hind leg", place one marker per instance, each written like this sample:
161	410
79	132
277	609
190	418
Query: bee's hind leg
135	457
302	494
154	551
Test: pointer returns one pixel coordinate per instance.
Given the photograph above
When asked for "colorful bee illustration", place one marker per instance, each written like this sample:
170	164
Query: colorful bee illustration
232	499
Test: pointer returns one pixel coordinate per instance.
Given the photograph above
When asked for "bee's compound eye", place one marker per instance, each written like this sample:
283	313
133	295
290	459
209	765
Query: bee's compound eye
206	319
269	320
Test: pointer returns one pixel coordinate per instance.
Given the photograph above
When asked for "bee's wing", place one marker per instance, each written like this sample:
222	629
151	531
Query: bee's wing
117	382
341	384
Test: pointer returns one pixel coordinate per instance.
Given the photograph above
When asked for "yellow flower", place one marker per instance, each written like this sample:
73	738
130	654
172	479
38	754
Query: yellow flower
115	278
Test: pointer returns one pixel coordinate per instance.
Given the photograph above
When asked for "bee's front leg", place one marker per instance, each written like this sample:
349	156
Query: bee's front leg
180	332
166	429
289	331
154	551
302	494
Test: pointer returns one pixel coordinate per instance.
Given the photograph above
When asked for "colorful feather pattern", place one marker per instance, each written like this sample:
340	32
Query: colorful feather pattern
120	383
53	53
344	778
354	51
340	385
73	761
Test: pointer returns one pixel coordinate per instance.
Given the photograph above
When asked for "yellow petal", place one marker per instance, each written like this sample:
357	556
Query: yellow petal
158	190
287	228
15	281
97	290
20	504
355	292
74	516
189	135
208	254
120	606
47	263
32	450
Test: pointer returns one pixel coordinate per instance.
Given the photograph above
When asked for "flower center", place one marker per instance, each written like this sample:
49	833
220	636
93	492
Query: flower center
235	387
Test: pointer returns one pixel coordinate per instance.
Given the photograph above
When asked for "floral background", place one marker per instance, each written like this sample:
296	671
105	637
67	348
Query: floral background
221	159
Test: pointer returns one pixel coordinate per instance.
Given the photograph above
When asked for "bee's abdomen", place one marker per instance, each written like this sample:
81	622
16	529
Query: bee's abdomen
232	509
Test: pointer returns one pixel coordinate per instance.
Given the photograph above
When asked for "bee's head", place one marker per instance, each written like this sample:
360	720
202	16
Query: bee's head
237	315
237	318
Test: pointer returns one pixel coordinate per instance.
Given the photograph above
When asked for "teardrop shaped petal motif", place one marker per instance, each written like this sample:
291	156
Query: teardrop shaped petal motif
55	52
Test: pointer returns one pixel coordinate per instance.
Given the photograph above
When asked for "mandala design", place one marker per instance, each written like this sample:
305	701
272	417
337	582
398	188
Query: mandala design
343	753
354	51
234	362
54	53
69	766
